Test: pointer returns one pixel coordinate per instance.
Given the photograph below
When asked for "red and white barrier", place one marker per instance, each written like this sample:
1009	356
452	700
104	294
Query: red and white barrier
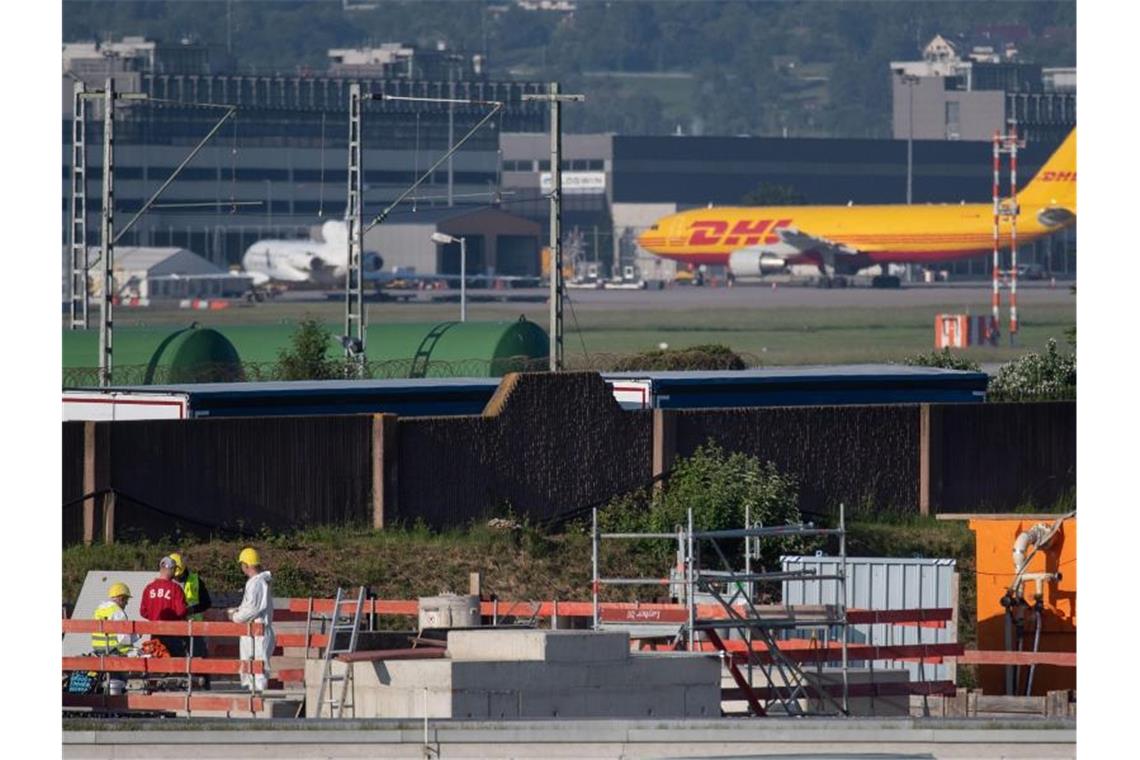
203	304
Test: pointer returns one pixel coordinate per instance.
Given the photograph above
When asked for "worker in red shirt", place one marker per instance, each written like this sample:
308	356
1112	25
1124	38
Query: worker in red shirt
163	599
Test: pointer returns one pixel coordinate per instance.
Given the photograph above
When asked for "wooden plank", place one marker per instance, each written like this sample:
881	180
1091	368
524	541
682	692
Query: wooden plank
174	702
618	611
166	665
999	657
992	703
163	627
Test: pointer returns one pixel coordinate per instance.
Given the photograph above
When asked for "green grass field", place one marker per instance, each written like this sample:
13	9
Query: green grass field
771	334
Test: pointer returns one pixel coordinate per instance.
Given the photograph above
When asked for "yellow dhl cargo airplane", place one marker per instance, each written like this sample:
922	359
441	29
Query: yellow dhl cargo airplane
754	241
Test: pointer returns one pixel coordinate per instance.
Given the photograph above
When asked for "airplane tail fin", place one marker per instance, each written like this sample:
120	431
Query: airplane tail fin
1055	185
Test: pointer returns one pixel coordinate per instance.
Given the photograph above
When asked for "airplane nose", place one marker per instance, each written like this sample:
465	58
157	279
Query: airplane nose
652	238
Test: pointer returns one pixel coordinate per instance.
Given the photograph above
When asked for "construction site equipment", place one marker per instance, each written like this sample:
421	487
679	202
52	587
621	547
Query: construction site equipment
333	649
1026	608
785	684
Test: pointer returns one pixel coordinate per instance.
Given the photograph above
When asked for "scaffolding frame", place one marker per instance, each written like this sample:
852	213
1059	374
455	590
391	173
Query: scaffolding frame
785	681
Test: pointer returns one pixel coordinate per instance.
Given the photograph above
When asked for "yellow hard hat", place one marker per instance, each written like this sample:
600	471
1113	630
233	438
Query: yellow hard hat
178	566
249	556
118	589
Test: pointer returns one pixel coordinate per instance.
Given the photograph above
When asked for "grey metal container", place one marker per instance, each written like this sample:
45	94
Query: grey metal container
884	583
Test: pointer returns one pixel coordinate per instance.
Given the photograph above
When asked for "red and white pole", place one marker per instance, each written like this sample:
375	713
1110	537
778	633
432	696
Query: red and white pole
1013	212
995	299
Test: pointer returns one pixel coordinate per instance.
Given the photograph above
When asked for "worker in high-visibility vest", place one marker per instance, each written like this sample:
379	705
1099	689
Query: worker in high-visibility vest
197	599
114	609
256	607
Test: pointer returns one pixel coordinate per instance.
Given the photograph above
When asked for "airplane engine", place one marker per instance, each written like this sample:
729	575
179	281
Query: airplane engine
372	261
305	261
755	262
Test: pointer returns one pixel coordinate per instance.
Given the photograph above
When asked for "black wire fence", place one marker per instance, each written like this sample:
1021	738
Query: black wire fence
225	372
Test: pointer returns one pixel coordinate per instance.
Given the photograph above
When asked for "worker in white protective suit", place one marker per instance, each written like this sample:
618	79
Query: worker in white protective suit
256	607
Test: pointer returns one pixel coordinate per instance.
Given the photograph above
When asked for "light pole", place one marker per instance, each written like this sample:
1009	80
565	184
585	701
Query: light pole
269	204
910	80
445	239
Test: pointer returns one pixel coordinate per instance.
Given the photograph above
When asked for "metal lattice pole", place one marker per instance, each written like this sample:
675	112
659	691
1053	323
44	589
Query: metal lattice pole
79	317
555	98
995	298
107	232
556	345
1013	212
354	327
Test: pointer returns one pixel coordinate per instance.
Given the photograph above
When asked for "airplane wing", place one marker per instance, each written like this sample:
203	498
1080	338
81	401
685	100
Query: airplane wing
830	252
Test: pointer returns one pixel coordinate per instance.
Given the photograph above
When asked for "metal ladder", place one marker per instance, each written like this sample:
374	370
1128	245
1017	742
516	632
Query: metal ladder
325	694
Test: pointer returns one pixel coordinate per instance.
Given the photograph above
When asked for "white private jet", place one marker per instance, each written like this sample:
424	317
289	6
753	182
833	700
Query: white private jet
316	262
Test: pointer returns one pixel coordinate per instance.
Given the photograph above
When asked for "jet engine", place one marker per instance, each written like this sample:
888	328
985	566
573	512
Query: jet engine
755	262
372	261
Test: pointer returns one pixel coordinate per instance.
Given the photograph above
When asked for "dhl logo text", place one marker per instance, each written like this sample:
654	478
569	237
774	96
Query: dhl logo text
715	232
1059	177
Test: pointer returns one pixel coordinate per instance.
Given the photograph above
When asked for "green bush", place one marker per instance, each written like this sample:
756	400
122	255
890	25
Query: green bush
306	358
718	486
707	357
943	359
1051	376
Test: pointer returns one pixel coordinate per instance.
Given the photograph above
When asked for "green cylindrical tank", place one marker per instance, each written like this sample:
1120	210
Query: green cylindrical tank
144	356
194	355
458	349
445	349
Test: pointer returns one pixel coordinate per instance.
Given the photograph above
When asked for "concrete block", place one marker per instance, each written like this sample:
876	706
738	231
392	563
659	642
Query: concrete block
538	645
702	701
667	668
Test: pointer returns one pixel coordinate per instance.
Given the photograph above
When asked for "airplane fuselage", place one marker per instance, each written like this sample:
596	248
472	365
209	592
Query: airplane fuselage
887	233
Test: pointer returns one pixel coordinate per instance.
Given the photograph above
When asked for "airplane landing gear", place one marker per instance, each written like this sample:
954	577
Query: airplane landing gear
885	281
839	281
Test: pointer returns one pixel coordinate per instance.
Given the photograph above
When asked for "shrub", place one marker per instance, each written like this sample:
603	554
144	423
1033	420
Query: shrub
718	486
306	358
1036	377
943	359
707	357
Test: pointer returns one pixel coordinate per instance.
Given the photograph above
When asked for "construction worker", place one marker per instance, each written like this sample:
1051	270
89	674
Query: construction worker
162	599
256	607
197	599
114	609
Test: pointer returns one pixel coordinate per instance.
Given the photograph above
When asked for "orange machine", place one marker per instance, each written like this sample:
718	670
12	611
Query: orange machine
1008	605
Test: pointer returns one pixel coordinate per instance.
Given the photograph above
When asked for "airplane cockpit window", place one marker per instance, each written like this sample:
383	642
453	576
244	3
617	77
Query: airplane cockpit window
653	227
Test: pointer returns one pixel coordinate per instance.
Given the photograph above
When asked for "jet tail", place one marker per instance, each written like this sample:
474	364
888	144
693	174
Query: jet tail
1055	185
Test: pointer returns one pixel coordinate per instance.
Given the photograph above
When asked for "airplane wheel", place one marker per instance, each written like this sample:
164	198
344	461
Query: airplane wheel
840	282
885	281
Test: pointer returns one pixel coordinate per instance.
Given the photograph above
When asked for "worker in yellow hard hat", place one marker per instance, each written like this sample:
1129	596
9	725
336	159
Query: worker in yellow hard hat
197	598
256	607
115	610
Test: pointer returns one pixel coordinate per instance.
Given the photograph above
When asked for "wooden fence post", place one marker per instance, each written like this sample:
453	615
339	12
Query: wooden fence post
930	459
664	441
385	457
109	517
96	472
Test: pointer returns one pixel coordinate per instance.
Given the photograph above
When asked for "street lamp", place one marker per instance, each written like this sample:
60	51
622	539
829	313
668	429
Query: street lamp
445	239
910	80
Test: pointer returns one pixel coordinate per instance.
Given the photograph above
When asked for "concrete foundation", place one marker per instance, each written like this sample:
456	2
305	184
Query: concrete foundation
496	674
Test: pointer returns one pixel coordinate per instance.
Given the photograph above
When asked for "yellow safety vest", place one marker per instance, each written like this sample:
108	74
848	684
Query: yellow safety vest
192	591
107	643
